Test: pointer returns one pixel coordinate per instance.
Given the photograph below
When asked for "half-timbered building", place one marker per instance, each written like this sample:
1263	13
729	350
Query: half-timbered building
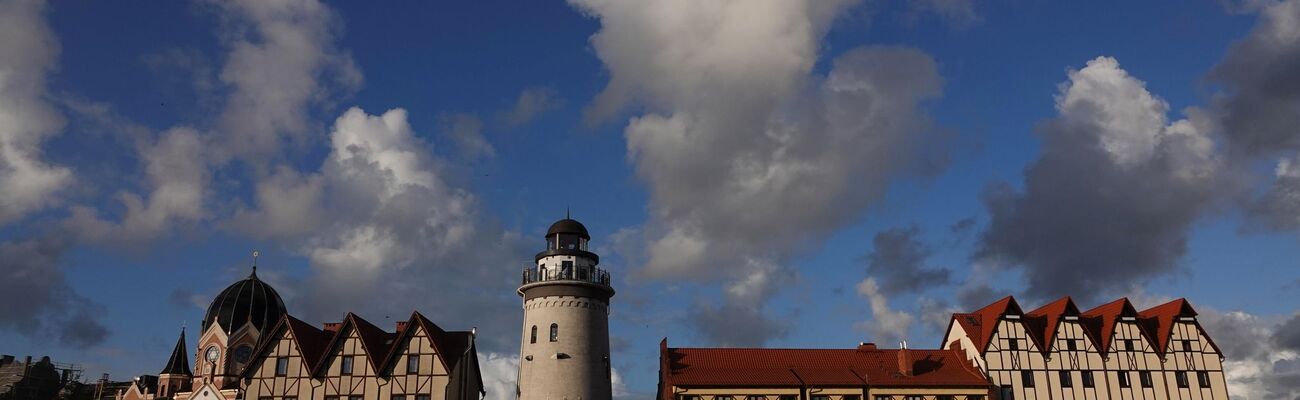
1109	352
356	360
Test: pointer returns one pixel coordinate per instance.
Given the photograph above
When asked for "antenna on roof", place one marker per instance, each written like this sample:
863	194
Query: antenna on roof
255	254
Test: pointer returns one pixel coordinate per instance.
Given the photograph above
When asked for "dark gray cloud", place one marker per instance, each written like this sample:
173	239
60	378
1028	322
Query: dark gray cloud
962	226
1260	110
1109	202
38	301
898	259
1287	335
736	325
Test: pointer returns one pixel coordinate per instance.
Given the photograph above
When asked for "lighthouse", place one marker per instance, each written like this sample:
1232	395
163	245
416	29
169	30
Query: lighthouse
564	347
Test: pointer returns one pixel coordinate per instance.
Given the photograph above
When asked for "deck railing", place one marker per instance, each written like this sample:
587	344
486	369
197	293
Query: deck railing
589	275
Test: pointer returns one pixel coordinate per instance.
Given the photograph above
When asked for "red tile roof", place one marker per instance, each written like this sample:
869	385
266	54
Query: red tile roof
1049	318
1105	317
721	367
981	324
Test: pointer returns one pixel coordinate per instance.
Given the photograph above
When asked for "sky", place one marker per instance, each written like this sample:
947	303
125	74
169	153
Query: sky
760	173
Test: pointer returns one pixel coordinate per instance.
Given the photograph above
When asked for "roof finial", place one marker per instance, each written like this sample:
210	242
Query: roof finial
566	212
255	254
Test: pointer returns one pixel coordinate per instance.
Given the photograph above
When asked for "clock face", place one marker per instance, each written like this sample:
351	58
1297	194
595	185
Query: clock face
243	353
213	353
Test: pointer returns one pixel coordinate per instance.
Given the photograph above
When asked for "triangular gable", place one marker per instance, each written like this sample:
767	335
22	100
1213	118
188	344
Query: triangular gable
1048	319
310	342
1160	323
436	336
373	342
1106	316
985	320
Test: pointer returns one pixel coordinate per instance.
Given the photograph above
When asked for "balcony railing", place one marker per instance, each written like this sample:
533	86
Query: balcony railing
589	275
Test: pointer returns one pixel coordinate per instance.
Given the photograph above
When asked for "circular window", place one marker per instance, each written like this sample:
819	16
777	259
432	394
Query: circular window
213	354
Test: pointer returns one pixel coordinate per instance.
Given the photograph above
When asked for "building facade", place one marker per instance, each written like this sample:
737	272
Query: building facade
1109	352
564	344
865	372
356	360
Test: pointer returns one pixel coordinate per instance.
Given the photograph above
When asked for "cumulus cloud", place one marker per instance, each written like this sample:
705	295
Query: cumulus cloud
499	371
531	103
27	54
748	156
886	324
897	262
1261	361
1109	202
282	58
39	303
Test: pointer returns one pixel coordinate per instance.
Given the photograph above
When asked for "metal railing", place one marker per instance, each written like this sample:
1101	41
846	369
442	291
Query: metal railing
589	275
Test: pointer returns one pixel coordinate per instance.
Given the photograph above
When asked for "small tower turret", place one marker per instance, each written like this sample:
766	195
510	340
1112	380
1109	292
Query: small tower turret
175	376
564	348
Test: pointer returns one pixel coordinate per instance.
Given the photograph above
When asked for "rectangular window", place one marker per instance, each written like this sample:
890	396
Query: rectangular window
1123	379
281	366
784	397
1187	345
1130	344
1181	378
755	397
355	397
913	397
1007	393
1072	344
331	398
346	366
1065	379
974	397
1087	379
817	397
290	398
413	364
1027	377
1013	344
884	397
264	398
399	397
1203	378
1145	377
944	397
723	398
851	397
688	397
421	397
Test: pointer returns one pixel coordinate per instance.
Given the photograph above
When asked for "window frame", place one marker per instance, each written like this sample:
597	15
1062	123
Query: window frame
282	366
1067	381
1144	377
532	339
345	366
412	358
1203	378
1180	377
1086	377
555	332
1125	381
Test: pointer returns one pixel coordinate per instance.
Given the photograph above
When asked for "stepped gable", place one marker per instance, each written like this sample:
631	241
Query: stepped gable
1159	322
822	367
981	324
1107	315
1047	319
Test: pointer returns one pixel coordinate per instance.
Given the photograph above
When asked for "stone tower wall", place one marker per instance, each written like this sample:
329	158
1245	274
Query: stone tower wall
576	365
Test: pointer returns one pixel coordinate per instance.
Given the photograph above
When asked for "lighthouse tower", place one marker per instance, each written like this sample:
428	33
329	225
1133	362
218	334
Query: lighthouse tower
564	349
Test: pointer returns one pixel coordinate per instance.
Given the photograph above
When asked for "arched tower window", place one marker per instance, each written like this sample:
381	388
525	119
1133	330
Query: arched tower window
533	337
555	332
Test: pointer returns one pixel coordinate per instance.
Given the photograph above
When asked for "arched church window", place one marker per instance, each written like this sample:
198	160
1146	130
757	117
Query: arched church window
533	338
555	332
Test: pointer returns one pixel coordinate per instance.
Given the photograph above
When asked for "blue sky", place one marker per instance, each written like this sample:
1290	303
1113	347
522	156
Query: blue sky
902	118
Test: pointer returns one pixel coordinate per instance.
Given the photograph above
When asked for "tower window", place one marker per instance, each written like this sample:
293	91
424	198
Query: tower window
555	332
533	337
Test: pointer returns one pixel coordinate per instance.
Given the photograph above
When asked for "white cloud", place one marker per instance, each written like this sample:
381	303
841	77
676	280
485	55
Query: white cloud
27	53
1258	365
499	374
886	324
749	157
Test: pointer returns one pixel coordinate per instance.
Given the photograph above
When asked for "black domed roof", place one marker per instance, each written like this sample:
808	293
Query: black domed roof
568	225
249	300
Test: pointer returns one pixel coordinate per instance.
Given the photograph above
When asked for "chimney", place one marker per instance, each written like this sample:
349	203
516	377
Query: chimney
332	326
864	346
904	362
401	326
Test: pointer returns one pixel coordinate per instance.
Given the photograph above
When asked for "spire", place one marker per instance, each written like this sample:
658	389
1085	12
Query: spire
178	364
566	213
254	274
